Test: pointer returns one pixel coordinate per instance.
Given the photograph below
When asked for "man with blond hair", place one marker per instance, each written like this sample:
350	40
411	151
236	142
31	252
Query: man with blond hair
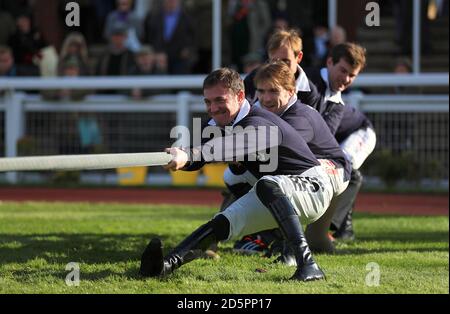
287	46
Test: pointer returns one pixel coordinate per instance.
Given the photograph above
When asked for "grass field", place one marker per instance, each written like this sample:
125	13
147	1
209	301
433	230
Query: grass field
38	240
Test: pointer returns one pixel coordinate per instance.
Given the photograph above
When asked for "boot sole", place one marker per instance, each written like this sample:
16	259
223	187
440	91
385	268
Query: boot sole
309	278
152	260
309	274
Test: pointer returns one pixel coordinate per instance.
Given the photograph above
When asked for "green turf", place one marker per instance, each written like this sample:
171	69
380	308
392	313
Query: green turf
38	240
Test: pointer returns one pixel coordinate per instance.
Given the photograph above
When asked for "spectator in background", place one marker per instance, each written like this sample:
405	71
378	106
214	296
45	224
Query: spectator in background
7	66
321	39
9	69
148	63
250	22
117	60
161	62
280	22
169	29
89	131
84	126
125	15
252	61
68	67
7	27
338	36
26	42
325	41
403	65
74	46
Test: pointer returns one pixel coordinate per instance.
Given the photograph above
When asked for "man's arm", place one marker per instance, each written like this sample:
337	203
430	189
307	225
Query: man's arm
333	116
184	159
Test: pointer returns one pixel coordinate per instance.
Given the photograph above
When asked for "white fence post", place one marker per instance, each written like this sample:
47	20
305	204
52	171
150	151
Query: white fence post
183	115
217	34
417	36
15	127
332	13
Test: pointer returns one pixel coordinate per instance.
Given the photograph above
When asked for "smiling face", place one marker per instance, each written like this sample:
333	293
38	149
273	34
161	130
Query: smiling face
273	97
275	85
222	104
341	74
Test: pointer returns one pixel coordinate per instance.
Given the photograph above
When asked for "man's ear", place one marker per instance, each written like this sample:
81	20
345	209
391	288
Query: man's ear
300	57
241	96
330	62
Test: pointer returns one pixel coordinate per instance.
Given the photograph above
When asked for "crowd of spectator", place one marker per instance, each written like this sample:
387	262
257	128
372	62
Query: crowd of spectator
141	37
145	37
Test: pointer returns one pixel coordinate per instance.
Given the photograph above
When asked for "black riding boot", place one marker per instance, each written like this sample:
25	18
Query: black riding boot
345	231
285	215
342	218
287	256
154	264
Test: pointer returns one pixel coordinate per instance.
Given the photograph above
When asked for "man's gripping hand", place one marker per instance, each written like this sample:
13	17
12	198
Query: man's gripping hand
179	159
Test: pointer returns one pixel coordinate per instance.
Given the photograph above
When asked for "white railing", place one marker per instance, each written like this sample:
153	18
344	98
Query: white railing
398	103
184	82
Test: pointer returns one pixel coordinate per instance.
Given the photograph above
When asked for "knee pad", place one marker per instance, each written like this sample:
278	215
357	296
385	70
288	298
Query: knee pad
221	227
272	196
267	191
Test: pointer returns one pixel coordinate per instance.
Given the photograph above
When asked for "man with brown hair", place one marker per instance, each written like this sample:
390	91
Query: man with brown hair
352	129
276	93
343	66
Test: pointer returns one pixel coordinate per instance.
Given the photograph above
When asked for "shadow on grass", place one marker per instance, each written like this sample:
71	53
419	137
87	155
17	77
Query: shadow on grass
85	249
420	241
65	248
407	236
27	275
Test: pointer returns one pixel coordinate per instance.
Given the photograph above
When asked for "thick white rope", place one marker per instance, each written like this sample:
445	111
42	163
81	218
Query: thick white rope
83	162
